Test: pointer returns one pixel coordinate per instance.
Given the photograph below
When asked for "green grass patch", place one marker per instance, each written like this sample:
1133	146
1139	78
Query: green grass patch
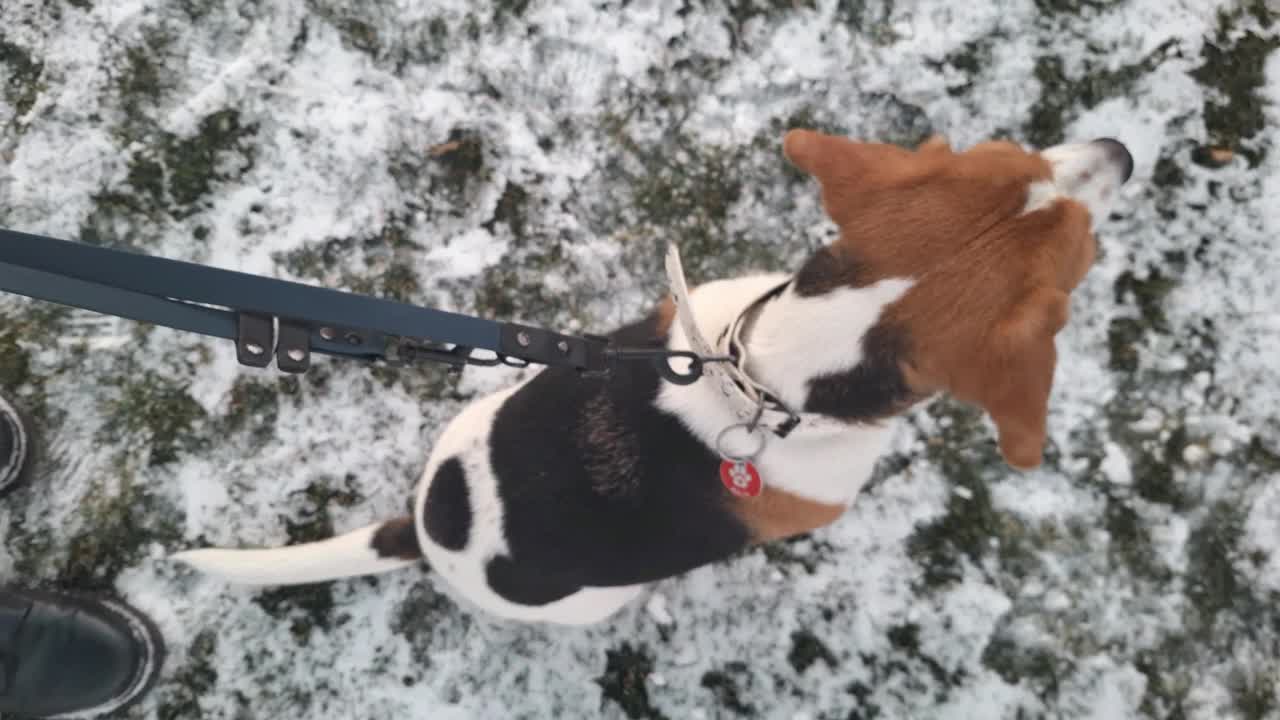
152	413
23	82
1234	69
624	681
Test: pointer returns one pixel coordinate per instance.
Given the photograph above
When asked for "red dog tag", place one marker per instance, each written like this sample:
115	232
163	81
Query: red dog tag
741	478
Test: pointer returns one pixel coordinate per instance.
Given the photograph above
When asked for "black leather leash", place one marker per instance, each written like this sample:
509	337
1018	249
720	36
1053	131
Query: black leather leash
268	317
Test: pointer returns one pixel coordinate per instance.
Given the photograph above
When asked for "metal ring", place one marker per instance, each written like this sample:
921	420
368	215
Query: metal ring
739	458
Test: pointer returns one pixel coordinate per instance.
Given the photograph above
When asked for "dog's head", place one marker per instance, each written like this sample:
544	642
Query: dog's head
993	239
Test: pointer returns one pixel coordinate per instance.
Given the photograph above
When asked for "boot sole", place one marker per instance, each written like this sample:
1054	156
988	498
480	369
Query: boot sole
26	447
139	626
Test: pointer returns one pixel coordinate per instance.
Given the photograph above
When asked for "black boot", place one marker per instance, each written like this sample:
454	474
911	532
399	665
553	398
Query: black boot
16	446
65	655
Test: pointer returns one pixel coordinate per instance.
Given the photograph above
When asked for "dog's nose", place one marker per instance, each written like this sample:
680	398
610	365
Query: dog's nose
1118	154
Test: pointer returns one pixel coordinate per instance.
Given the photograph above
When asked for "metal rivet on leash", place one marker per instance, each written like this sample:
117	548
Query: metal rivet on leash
293	347
254	349
522	338
328	333
563	346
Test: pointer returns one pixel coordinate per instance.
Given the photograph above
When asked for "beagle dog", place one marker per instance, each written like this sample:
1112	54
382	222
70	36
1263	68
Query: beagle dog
559	499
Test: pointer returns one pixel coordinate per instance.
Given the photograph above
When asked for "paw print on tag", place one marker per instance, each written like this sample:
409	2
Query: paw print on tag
741	478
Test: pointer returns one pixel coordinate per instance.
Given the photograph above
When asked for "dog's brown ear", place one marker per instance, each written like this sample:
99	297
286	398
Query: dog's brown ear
843	168
1019	377
818	154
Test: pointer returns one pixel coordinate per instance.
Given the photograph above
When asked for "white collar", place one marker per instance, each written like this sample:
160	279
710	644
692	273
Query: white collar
751	402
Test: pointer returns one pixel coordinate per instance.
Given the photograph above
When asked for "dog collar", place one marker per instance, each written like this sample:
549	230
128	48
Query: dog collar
752	403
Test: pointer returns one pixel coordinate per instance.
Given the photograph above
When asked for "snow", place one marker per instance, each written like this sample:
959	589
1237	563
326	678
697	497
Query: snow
1262	530
1092	563
1115	465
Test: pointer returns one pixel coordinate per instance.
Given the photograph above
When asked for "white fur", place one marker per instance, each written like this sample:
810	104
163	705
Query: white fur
1086	172
1040	195
343	556
794	339
827	465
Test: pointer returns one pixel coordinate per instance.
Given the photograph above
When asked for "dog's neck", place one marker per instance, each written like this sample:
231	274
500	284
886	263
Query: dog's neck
794	341
795	345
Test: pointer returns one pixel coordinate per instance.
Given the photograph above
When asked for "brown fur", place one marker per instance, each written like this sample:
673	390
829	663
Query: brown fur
777	514
397	538
666	315
991	284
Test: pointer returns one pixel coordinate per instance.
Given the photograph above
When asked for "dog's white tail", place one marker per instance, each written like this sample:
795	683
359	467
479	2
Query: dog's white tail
374	549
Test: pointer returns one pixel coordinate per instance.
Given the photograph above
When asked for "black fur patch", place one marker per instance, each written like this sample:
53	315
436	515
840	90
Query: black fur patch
397	538
874	389
616	493
828	269
447	514
527	584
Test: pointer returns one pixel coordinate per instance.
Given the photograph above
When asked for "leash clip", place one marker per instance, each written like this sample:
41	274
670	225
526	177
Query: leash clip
660	360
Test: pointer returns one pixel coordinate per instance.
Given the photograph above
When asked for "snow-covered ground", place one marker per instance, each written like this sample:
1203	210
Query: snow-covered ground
529	160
